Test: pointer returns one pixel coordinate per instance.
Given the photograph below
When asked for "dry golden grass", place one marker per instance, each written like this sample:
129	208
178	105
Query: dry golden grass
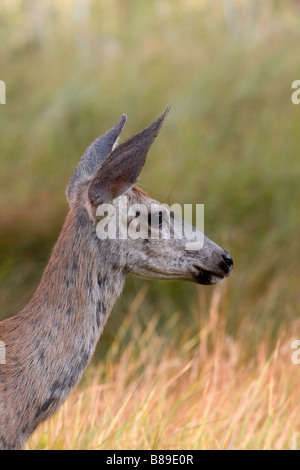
204	395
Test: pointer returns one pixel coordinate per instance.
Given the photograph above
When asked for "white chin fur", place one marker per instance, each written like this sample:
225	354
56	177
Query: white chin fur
216	279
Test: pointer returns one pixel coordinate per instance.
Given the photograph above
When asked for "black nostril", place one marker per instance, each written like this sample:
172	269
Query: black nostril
228	260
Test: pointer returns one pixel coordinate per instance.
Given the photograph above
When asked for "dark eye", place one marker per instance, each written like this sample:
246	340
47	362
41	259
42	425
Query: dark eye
155	219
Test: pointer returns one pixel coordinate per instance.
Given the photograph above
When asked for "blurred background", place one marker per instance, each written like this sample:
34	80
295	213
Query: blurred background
231	142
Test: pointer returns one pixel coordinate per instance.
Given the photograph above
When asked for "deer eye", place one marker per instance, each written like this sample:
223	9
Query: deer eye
155	219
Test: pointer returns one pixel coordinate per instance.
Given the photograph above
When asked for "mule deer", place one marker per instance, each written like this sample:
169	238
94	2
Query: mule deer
50	342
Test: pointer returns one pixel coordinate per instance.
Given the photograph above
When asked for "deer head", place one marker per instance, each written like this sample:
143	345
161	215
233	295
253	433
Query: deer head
105	178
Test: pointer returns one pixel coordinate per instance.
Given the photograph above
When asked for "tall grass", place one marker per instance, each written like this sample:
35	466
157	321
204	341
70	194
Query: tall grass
198	393
231	142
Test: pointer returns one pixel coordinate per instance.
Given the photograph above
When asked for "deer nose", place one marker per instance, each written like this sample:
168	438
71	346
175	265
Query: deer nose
228	262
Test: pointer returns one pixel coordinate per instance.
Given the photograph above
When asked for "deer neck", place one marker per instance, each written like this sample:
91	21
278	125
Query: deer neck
81	282
51	341
83	278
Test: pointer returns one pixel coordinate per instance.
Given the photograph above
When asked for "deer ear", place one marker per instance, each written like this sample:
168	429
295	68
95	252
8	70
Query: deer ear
120	171
93	157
